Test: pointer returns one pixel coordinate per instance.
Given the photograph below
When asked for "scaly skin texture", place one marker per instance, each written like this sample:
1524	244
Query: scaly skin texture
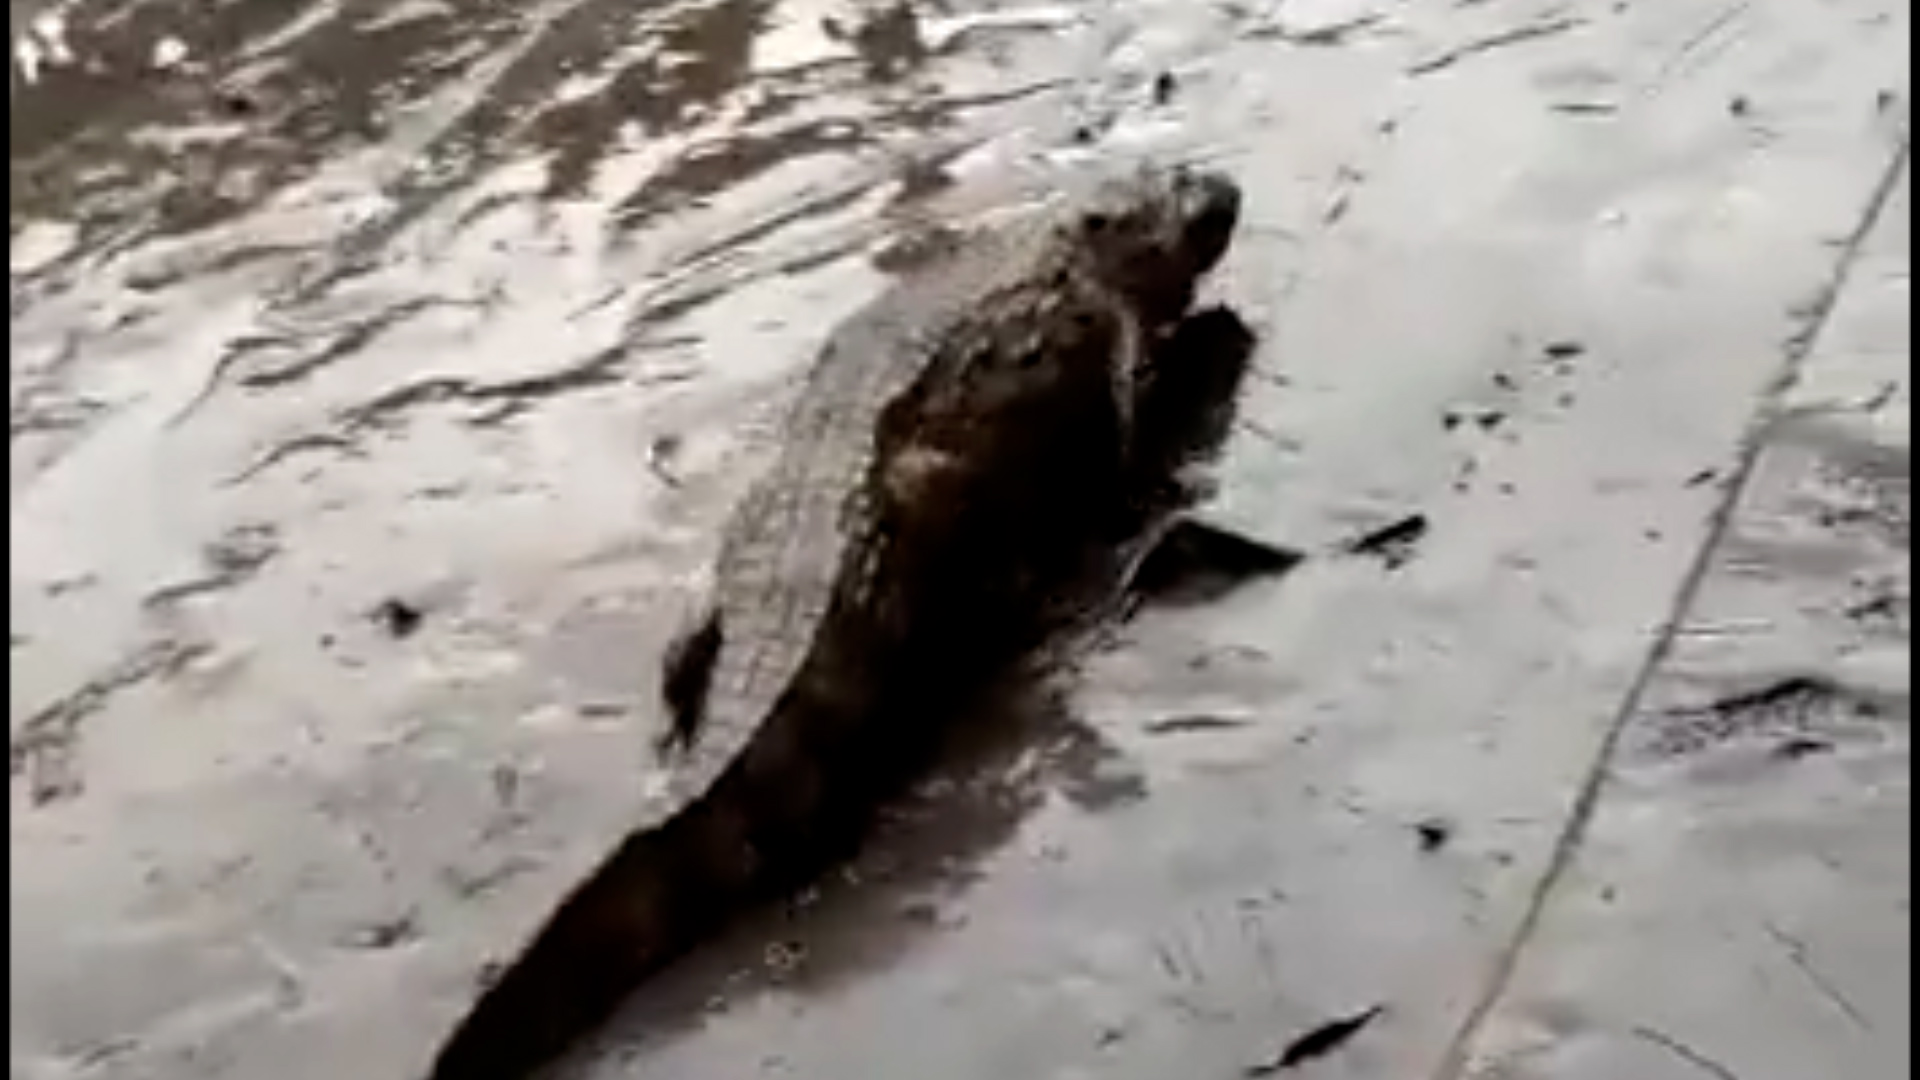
938	468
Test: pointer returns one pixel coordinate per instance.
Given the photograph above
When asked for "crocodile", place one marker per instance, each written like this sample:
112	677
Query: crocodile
951	447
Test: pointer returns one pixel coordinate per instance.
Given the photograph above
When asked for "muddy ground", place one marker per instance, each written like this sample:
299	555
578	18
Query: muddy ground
380	373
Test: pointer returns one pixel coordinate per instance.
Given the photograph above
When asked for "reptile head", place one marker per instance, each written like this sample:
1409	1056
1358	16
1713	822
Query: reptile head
1153	234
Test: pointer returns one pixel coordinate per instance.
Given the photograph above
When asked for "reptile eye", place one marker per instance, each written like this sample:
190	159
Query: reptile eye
1098	222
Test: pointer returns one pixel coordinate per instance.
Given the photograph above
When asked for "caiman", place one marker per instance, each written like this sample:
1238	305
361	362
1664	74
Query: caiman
950	445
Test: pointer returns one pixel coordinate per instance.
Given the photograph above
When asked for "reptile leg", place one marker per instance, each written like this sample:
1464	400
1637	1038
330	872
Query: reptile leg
1192	562
1185	397
687	671
1185	412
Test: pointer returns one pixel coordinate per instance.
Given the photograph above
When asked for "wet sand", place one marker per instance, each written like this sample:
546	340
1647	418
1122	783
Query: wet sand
476	313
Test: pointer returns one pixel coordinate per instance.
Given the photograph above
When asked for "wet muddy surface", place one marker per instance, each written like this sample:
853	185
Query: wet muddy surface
381	373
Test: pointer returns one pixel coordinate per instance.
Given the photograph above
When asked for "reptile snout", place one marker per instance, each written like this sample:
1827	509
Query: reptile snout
1210	208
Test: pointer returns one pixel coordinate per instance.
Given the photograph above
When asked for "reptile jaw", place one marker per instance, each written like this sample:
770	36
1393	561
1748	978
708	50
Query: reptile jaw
1209	211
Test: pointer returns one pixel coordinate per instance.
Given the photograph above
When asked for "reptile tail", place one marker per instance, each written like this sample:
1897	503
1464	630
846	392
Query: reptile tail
656	896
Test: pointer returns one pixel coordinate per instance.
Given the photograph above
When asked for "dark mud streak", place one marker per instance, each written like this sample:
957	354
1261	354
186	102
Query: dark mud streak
1518	35
708	255
232	560
341	344
211	265
1800	956
601	369
289	448
1456	1060
712	169
1697	43
1886	610
51	414
1688	1054
45	749
502	401
667	305
1794	707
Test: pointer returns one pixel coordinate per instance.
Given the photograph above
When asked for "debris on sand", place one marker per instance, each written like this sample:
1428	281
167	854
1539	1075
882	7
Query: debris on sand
1164	85
1434	833
237	103
1394	542
1177	725
1317	1043
168	53
661	454
397	617
1801	746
